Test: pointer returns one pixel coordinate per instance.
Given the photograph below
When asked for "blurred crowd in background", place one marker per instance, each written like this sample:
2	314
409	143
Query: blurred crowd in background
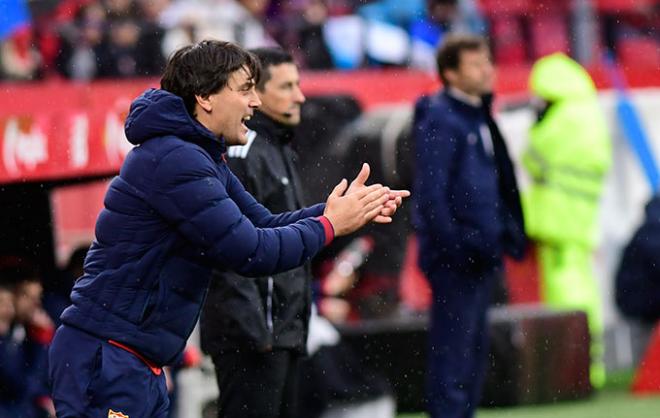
93	39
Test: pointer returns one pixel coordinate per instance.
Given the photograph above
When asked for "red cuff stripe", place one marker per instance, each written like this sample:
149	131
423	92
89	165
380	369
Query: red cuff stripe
328	229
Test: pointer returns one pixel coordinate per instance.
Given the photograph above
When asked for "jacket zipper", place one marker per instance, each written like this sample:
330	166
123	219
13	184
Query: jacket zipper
269	305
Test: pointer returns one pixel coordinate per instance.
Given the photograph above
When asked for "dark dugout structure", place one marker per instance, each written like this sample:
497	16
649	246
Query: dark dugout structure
527	342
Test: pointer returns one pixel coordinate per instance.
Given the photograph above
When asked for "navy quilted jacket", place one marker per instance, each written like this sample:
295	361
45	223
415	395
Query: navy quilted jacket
175	212
466	204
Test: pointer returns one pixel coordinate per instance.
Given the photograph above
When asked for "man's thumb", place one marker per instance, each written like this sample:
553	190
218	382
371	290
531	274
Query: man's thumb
339	189
363	175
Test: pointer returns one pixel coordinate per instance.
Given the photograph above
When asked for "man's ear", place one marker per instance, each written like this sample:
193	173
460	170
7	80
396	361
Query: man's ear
204	103
451	76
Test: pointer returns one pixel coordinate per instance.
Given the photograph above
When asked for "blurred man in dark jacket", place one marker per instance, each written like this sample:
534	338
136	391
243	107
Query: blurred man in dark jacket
638	278
467	215
256	328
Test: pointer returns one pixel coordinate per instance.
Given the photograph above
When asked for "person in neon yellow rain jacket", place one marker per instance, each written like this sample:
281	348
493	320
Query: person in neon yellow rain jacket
567	158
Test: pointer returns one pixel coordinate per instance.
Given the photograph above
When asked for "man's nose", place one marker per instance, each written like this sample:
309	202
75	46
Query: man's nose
299	97
255	101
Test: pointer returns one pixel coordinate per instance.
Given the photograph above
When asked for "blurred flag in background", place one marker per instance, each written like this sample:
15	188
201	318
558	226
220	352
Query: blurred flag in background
14	15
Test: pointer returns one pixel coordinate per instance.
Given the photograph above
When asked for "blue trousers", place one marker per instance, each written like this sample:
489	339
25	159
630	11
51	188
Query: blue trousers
91	377
458	343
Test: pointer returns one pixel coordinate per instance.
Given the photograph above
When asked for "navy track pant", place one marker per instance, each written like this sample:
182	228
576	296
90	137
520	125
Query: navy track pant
458	343
92	378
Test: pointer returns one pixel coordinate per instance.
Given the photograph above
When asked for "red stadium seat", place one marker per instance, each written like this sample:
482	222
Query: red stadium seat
508	41
495	8
623	5
549	34
640	52
523	278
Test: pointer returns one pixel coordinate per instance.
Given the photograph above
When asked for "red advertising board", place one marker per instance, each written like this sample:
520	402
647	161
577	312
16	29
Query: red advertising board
57	130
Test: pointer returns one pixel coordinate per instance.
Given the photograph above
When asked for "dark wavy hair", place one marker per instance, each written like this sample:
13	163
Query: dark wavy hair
203	69
448	56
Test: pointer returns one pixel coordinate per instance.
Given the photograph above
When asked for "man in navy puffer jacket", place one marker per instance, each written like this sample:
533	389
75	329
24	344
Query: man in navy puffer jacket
175	212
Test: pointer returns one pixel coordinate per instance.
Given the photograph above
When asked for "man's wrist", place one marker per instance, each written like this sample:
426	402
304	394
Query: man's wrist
328	229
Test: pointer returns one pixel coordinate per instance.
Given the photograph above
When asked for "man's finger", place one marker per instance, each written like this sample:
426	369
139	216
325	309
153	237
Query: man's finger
375	193
340	188
380	219
377	203
362	176
400	193
394	202
372	213
388	210
365	191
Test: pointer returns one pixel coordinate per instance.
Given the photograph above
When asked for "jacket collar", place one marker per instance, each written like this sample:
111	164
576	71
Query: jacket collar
464	97
270	129
464	106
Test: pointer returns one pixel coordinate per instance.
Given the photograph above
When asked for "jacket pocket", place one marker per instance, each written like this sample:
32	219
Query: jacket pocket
95	367
151	304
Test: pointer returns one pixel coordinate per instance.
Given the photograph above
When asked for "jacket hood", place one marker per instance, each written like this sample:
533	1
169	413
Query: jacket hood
159	113
557	77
